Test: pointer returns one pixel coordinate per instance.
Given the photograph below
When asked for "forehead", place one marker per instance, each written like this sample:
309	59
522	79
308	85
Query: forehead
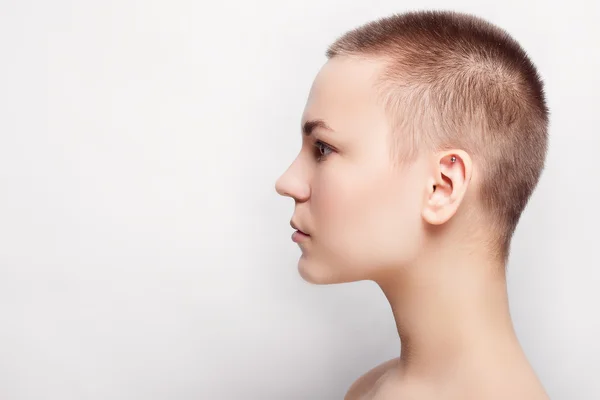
343	94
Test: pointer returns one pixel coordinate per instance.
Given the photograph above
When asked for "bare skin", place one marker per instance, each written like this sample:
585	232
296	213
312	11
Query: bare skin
417	232
479	358
386	382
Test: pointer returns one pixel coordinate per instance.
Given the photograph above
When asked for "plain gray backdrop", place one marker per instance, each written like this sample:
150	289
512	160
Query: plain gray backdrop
144	253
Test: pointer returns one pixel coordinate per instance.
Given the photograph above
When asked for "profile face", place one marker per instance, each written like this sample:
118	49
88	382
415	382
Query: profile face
361	213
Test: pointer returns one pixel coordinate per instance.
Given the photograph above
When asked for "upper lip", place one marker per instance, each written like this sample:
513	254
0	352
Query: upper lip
295	226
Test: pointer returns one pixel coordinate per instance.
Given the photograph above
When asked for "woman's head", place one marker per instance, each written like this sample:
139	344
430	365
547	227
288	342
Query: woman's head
408	113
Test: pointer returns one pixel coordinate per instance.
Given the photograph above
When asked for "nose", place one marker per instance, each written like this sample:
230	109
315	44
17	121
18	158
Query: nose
292	183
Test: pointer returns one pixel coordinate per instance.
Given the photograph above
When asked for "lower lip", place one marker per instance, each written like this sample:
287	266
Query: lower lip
299	236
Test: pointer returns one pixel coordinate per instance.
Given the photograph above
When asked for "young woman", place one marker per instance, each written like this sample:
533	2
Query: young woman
424	135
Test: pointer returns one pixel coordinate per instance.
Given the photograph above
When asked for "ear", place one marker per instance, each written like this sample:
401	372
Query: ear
448	183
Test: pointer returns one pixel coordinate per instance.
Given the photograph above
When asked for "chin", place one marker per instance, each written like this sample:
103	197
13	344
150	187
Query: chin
321	274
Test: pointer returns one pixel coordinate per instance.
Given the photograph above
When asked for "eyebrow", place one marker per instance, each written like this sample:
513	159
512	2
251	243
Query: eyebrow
309	126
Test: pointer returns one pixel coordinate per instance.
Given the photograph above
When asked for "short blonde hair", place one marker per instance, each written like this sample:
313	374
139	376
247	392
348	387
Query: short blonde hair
454	80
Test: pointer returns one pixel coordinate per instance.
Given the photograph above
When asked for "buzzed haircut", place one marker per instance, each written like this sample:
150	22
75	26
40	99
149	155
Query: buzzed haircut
454	80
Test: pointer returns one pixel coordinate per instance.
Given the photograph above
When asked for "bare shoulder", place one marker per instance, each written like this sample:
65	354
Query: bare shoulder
363	385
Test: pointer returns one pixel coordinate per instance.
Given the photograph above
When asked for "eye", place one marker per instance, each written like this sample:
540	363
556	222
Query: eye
322	150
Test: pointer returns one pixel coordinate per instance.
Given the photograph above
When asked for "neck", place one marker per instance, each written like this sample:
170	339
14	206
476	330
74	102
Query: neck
450	309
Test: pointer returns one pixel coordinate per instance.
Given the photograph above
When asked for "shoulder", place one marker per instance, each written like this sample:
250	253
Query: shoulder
367	382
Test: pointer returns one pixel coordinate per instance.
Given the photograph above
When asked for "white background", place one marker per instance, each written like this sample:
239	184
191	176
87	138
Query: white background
144	253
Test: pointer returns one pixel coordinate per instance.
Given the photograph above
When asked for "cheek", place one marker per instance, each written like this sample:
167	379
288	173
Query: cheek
365	216
341	208
336	201
394	224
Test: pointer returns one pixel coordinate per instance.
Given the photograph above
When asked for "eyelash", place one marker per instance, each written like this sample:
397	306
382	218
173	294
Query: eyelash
318	145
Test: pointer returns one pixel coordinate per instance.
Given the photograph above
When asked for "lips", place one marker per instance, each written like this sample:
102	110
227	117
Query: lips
295	226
